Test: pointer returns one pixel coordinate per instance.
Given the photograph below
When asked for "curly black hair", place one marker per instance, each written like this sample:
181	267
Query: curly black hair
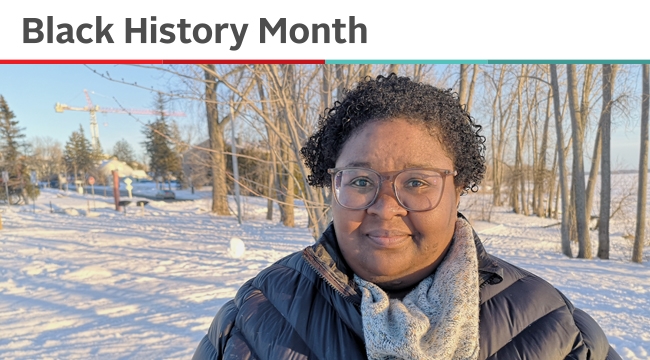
398	97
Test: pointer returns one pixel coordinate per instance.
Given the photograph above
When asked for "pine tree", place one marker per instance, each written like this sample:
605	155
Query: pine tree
78	153
10	135
13	160
164	162
97	154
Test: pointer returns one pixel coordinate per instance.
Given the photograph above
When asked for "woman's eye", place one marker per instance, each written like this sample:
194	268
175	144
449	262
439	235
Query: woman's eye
360	182
415	183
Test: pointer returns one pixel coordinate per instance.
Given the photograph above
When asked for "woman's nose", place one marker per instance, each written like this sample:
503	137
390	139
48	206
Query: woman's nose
386	205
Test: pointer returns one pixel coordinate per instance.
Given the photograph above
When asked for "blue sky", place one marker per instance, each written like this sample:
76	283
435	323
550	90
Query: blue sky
32	90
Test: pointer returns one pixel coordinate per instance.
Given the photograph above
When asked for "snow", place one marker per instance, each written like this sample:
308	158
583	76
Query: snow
237	248
79	280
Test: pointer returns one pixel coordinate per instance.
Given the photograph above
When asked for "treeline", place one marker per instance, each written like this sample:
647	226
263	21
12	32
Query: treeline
541	121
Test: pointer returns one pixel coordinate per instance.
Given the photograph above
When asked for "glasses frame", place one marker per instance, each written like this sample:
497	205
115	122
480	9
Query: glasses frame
444	173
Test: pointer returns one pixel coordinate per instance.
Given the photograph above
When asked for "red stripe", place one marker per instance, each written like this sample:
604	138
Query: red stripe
150	61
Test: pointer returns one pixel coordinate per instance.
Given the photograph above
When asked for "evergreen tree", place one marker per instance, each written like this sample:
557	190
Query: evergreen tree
97	154
124	152
163	160
78	153
12	152
10	135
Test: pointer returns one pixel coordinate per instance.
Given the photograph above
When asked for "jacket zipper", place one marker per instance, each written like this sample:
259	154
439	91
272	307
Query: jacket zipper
349	297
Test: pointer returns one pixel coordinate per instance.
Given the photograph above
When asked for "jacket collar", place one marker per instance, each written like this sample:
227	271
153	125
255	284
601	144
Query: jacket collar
327	260
489	270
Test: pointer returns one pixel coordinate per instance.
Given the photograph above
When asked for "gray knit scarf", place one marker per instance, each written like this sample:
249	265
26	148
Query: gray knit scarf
436	320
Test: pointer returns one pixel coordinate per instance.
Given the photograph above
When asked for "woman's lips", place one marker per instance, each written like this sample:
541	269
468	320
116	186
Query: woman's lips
384	239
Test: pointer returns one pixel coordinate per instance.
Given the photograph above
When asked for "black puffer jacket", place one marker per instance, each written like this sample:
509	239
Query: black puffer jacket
305	307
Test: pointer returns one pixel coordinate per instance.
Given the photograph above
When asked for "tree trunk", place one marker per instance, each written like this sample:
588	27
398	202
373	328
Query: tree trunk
287	213
269	200
215	133
554	191
540	174
394	68
597	153
639	234
496	165
609	72
472	85
566	242
518	168
462	87
326	88
272	146
593	171
418	74
577	127
364	71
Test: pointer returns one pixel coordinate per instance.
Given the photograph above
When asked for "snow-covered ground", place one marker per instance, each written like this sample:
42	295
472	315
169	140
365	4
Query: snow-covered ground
86	282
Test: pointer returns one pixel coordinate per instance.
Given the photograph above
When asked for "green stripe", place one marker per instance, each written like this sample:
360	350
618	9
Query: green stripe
548	61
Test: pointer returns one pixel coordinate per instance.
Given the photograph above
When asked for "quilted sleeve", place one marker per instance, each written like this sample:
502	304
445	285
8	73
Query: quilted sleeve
594	337
213	344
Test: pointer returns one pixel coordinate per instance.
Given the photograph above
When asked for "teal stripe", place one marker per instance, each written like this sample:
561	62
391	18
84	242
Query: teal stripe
548	61
565	61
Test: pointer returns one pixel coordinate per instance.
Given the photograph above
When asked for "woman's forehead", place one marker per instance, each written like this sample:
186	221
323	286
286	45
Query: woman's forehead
394	143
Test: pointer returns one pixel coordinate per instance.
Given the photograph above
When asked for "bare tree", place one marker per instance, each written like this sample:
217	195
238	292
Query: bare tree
540	170
609	73
394	68
501	104
518	184
47	156
216	128
472	86
217	144
465	90
639	234
578	121
564	227
462	84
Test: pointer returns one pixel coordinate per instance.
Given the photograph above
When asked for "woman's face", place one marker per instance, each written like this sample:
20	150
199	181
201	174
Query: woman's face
385	243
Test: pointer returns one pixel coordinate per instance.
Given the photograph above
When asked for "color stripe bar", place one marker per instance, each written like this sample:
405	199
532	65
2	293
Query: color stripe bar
61	62
451	61
159	62
400	62
251	62
552	61
306	62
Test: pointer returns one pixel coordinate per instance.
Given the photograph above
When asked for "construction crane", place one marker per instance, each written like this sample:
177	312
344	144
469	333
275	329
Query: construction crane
94	109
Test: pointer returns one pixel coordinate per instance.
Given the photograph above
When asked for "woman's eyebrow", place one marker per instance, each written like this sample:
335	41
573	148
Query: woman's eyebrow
358	164
417	165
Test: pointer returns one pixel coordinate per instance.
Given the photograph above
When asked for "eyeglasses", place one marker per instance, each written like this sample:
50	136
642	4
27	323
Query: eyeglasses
356	188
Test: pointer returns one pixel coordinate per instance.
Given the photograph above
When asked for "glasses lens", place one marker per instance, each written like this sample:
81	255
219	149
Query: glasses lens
355	188
419	190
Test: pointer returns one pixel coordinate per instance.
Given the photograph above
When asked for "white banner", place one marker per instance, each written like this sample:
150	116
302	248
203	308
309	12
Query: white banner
329	30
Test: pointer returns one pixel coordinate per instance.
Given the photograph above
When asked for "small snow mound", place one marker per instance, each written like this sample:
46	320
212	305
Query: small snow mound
92	214
71	212
88	272
237	248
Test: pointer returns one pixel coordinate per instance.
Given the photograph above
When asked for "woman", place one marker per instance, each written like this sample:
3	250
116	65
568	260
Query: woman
399	274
